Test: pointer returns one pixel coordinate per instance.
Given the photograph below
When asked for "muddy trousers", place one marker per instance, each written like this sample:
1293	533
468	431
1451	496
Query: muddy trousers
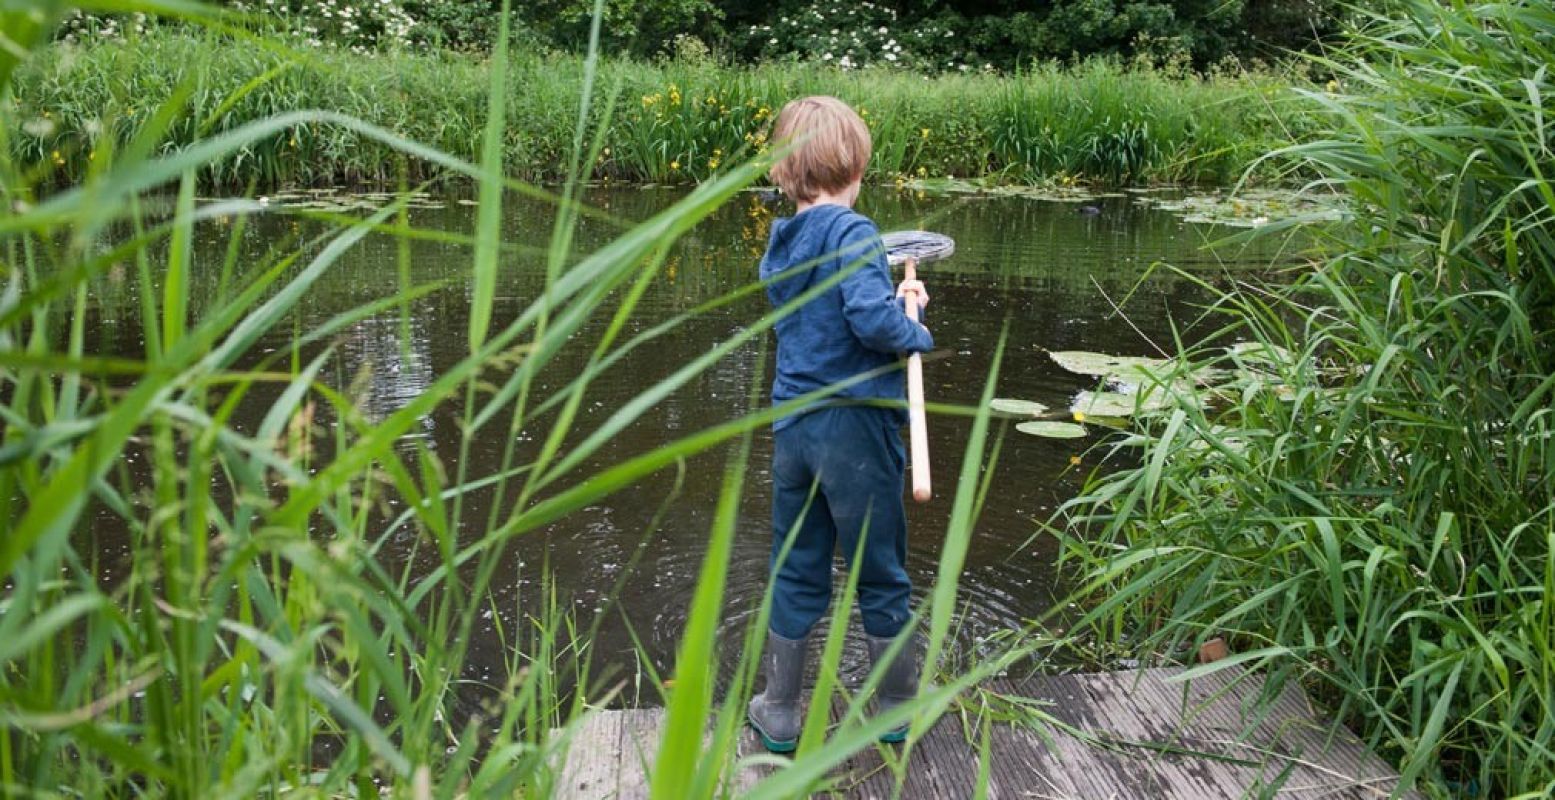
854	459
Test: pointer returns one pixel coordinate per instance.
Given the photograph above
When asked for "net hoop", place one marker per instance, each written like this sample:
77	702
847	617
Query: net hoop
925	246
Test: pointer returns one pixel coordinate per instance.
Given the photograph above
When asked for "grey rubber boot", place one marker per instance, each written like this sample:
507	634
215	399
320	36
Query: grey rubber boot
775	712
899	682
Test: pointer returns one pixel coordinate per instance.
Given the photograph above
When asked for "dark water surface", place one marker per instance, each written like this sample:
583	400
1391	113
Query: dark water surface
1038	267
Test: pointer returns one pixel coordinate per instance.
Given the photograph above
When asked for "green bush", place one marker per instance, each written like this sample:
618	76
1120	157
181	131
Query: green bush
1372	510
847	35
358	25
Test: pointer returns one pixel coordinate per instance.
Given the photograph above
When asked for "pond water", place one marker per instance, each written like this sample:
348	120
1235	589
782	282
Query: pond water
1039	267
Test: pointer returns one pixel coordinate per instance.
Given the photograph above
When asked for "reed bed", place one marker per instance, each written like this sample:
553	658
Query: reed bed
260	641
674	122
1372	513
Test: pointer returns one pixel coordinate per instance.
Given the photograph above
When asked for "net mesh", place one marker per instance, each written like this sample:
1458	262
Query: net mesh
923	245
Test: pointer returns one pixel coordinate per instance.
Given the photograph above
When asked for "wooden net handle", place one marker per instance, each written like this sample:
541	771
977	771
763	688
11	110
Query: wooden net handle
917	420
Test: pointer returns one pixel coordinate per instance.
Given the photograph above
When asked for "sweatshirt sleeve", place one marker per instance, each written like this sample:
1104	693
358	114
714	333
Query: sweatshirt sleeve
869	299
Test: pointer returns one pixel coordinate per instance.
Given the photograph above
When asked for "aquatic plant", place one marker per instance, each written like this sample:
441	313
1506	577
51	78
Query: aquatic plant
1382	528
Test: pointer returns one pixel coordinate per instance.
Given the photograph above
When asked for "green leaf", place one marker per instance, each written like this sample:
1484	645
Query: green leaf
1101	365
1023	408
1052	430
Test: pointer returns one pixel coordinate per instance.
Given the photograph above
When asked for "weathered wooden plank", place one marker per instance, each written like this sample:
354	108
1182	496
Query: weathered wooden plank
593	757
639	746
1327	760
1062	766
1208	715
1159	737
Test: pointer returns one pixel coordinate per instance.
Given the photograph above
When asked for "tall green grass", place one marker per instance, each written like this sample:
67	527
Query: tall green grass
1383	530
678	122
262	643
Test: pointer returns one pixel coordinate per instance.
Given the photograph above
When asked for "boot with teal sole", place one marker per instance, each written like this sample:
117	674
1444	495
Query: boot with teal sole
899	681
775	712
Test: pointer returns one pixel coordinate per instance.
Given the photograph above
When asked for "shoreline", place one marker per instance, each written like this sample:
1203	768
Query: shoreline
678	123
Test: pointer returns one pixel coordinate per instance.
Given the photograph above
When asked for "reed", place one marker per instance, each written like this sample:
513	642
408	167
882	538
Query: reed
1373	514
261	640
677	121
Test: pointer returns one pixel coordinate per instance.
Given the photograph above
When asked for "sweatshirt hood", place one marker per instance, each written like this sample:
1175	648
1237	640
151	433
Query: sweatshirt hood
799	242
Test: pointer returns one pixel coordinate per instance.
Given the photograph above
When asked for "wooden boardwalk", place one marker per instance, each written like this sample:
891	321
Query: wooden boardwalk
1144	736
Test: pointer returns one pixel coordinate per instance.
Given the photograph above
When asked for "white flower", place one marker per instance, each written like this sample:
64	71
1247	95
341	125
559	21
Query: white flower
890	56
882	30
826	57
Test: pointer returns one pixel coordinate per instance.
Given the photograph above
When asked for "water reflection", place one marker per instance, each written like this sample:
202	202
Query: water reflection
1032	269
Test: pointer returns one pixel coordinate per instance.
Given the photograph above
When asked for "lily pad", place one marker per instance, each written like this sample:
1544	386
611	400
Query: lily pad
1260	352
1023	408
1252	382
1117	404
1221	435
1052	430
989	188
1250	208
1102	365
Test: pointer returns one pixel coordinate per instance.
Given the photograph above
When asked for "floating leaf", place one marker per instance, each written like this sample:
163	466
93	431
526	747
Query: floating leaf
1260	352
1250	209
991	188
1024	408
1102	365
1232	444
1052	430
1253	381
1118	404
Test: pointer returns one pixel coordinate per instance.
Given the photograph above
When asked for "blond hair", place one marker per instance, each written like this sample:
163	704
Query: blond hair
830	147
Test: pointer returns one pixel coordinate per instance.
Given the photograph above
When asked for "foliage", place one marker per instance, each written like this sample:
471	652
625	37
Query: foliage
261	638
643	27
468	25
81	27
678	121
847	34
1384	530
357	25
1203	30
926	35
1008	34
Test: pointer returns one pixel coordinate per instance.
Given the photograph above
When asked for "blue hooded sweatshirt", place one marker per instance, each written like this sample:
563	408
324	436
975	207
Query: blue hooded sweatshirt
855	326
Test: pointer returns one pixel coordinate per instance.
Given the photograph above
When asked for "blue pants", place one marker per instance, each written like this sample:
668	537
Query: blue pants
856	455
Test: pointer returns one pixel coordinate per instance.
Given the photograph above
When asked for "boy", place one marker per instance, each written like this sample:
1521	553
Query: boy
850	451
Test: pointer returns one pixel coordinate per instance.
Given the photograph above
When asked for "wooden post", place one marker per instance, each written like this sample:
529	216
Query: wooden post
1213	650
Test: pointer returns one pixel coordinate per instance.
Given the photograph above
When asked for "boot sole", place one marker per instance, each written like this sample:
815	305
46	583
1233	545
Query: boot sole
773	745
